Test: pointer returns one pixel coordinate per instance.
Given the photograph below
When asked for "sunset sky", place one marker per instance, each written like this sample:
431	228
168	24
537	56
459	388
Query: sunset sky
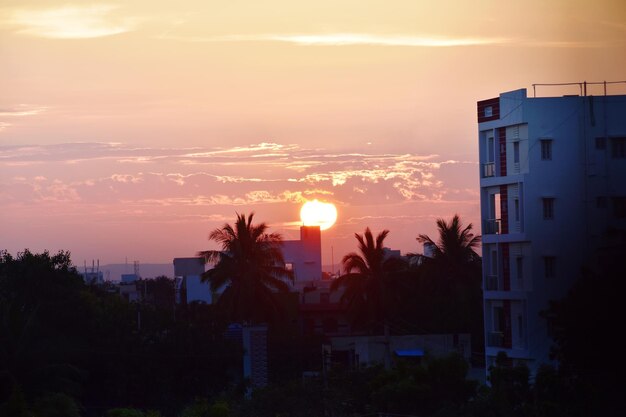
131	129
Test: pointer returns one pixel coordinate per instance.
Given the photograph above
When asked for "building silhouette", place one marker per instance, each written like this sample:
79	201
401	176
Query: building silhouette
552	183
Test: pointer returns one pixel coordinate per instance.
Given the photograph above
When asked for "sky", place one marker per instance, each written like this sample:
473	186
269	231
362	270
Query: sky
131	129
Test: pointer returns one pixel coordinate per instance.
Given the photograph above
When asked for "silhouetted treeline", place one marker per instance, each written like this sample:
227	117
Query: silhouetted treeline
69	349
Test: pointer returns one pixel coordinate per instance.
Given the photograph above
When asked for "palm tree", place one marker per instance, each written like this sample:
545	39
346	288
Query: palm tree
454	277
249	268
455	249
370	283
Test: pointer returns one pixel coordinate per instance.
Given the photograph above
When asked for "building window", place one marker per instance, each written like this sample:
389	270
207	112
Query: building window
519	266
329	325
549	266
601	143
488	111
618	147
289	266
619	207
546	149
516	152
516	209
548	208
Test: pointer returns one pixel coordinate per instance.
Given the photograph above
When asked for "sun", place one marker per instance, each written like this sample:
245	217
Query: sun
316	213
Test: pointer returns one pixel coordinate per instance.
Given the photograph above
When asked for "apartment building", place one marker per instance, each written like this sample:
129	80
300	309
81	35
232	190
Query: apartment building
552	182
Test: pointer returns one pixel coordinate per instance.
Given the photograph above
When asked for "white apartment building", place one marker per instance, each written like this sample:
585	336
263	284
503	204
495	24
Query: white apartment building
552	182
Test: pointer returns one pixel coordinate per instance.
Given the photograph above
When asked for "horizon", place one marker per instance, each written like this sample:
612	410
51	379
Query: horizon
131	130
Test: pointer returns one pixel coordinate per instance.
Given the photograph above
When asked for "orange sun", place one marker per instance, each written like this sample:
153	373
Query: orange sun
315	213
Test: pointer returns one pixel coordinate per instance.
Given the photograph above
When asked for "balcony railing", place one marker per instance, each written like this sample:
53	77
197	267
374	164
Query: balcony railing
495	339
492	227
489	169
491	283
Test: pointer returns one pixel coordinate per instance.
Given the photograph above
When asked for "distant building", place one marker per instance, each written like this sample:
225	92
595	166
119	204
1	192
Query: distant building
93	277
355	351
304	256
129	278
552	182
188	277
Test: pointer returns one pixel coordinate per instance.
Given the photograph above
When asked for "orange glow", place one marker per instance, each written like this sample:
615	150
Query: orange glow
315	213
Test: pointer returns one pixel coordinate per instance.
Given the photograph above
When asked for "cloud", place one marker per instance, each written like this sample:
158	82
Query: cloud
244	175
22	110
348	39
71	22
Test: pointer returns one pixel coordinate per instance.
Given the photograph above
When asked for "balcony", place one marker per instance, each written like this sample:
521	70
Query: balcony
491	283
489	169
492	227
495	339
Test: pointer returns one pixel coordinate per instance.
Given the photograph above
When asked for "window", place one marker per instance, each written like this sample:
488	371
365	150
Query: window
519	269
546	149
601	143
619	207
548	208
330	325
516	209
498	319
289	266
618	147
488	111
549	266
516	152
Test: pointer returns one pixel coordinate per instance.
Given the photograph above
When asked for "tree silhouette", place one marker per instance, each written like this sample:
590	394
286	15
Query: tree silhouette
453	276
249	268
454	250
370	282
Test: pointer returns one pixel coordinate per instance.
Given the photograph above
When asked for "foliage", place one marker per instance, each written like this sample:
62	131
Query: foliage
74	348
125	412
446	294
370	280
249	268
586	315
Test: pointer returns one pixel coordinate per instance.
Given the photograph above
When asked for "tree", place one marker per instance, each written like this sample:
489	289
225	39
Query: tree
370	282
454	251
592	311
453	274
249	268
40	295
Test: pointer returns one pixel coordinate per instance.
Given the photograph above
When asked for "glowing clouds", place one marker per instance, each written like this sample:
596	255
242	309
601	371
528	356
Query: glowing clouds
71	22
315	213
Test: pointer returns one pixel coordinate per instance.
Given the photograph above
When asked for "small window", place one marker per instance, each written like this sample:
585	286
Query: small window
546	149
601	143
289	266
548	208
619	207
601	202
519	266
488	111
618	148
516	152
330	325
549	266
516	209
